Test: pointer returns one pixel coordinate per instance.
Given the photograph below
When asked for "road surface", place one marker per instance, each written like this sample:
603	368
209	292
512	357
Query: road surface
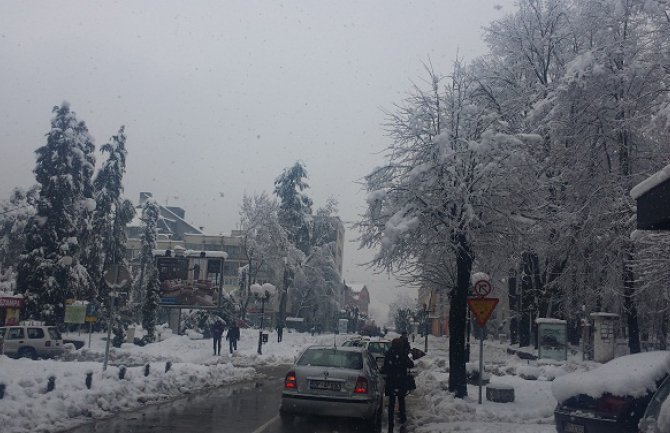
243	408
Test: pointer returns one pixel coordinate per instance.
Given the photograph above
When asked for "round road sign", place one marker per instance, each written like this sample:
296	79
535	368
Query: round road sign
482	288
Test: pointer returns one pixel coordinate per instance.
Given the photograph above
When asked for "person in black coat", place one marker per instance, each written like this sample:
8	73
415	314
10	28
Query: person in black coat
216	330
233	336
396	366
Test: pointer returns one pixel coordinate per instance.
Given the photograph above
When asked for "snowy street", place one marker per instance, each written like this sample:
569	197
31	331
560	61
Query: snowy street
240	393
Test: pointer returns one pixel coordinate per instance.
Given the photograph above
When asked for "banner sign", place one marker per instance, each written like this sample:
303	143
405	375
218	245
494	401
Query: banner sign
75	313
8	302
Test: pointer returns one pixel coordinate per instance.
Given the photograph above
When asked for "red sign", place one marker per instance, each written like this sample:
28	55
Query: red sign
482	308
11	302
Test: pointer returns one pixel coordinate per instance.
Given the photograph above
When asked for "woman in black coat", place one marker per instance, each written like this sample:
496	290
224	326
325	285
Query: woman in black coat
396	366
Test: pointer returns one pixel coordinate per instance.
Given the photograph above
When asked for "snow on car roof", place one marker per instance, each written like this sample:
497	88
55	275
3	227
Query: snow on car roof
631	375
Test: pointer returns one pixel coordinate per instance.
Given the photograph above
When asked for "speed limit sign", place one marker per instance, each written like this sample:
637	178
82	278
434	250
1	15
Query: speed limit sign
482	288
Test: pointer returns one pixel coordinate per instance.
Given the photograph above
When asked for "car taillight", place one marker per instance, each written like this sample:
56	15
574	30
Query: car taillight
613	405
361	385
290	382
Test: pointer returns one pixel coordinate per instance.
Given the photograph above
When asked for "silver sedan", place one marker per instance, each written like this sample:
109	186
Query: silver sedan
334	381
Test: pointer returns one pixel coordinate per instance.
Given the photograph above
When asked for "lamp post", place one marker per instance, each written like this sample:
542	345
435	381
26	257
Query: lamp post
263	293
316	307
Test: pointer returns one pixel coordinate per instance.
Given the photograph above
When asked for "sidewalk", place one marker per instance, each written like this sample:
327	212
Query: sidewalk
431	408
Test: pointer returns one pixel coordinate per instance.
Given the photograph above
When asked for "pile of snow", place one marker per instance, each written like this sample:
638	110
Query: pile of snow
433	408
633	375
28	407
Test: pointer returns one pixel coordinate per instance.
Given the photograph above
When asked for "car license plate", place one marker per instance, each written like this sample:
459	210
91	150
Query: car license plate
327	385
573	428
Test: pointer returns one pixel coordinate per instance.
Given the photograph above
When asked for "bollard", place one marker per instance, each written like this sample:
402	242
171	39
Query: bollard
122	372
146	370
168	366
51	383
2	391
89	380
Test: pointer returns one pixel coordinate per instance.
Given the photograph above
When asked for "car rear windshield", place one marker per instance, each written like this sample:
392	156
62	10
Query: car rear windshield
2	332
332	358
379	347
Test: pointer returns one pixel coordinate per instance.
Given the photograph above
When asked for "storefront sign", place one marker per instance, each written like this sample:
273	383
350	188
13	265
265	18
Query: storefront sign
8	302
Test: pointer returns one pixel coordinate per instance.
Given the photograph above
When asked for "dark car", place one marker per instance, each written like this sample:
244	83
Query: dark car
611	398
655	418
334	382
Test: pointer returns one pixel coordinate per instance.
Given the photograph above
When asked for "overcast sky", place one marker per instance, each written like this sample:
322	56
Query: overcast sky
218	97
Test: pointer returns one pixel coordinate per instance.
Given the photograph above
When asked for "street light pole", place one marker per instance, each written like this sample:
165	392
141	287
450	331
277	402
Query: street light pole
425	328
260	332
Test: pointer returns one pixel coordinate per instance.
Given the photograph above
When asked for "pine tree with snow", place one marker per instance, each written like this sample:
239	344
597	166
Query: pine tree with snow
295	207
49	271
150	307
112	214
148	282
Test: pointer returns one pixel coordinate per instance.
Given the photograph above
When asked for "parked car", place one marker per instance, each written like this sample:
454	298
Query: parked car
31	341
611	398
376	347
334	381
656	418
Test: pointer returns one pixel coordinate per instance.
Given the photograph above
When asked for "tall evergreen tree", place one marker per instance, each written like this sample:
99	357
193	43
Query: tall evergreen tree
150	306
49	272
111	215
295	207
148	272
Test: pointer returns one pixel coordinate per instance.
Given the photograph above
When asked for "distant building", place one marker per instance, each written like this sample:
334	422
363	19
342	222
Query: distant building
357	296
436	303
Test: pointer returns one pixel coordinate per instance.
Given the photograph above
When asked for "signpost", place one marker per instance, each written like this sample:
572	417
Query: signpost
482	308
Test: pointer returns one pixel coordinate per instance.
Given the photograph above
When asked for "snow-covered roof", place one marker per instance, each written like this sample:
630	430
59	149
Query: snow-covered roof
195	253
599	314
632	375
650	183
356	287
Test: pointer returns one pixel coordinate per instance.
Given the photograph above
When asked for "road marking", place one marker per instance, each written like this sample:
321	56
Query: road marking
266	425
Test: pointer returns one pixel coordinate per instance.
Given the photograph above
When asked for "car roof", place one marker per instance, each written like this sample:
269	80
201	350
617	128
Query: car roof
341	348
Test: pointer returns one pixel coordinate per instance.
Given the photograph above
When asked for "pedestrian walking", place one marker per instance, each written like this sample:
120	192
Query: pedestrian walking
396	366
280	333
216	330
233	336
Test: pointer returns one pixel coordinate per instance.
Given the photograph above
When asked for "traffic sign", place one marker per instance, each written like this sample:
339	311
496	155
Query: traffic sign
482	308
482	288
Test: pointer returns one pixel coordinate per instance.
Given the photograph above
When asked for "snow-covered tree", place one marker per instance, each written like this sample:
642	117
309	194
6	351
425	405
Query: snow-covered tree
402	311
111	215
148	282
150	305
265	245
49	272
14	215
295	207
447	186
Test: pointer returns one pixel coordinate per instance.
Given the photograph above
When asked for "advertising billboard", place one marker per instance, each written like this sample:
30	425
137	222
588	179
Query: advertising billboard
191	279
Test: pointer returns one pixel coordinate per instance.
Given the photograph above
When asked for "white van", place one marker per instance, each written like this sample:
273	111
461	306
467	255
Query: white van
31	341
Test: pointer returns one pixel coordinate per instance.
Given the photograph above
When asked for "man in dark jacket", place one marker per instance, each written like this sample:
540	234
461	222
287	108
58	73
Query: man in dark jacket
396	364
217	333
232	337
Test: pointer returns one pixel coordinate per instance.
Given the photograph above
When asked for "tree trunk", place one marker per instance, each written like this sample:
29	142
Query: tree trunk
629	304
514	307
457	319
